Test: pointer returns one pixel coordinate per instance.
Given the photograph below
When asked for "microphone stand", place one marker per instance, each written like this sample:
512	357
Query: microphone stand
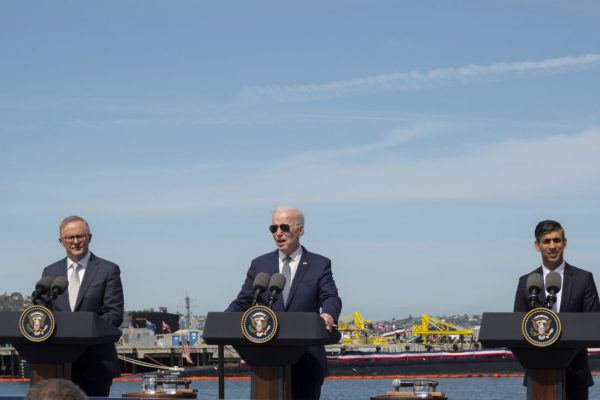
272	298
551	300
256	297
42	299
533	299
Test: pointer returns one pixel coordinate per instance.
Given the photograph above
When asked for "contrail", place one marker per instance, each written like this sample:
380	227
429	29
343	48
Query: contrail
415	79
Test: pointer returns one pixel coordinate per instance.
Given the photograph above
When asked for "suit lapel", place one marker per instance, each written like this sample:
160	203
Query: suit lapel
273	268
303	266
274	263
567	284
542	295
62	301
90	273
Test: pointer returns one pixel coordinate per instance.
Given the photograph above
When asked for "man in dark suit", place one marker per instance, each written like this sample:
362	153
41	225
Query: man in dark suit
578	294
312	289
94	285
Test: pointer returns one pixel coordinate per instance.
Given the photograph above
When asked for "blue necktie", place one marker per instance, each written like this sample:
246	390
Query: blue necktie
287	272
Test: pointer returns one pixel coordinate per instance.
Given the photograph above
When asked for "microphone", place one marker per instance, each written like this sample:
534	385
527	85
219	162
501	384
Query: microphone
41	287
59	284
276	285
261	281
553	286
535	284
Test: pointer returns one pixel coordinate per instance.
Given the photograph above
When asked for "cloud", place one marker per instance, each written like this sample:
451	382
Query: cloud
414	80
559	165
394	139
551	166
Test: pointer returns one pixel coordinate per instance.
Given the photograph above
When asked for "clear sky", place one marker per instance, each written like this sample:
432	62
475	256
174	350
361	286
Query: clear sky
423	140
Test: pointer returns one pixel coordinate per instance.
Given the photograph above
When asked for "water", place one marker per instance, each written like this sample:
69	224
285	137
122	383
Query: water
341	389
335	389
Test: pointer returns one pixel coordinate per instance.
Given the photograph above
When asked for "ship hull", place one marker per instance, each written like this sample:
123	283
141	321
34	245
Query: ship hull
409	364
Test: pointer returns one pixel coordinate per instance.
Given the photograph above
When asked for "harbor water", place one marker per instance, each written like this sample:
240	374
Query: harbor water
339	389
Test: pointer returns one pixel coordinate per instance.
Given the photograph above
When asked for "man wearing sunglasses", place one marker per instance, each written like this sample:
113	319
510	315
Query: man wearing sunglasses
94	285
311	288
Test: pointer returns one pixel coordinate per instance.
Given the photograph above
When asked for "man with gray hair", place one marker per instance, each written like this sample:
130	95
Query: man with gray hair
55	389
94	286
309	288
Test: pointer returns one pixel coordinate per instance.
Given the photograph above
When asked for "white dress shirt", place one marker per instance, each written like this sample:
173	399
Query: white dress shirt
82	266
561	271
295	260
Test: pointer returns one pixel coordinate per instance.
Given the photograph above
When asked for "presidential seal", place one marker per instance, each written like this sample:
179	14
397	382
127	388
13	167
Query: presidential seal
541	327
37	323
259	324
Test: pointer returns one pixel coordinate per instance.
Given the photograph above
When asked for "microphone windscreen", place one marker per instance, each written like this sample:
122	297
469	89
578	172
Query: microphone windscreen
553	282
277	282
59	284
43	285
536	281
261	281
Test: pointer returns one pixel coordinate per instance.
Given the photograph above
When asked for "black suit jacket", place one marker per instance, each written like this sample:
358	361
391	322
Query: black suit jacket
100	292
579	294
313	290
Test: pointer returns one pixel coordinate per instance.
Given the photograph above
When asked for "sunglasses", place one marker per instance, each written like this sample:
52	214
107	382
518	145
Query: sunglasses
284	228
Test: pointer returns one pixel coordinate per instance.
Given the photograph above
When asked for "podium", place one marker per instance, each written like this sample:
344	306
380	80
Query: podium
545	366
272	361
75	331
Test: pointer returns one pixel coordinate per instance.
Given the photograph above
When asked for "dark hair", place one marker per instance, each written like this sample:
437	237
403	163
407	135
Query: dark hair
547	226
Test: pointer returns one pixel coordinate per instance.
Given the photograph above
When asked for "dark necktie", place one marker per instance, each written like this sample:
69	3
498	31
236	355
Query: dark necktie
287	272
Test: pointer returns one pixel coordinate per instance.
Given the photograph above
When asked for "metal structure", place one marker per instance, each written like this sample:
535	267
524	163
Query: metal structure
432	326
356	330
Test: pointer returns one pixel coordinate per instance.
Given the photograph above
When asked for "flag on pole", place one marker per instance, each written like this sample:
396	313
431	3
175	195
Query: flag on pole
165	327
150	326
130	331
186	351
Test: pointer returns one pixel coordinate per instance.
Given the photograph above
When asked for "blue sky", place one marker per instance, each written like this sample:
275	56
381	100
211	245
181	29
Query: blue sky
424	140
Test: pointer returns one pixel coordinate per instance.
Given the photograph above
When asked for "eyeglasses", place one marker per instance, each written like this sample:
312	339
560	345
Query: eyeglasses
284	228
71	239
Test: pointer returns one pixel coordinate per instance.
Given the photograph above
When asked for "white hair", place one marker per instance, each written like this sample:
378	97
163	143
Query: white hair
299	214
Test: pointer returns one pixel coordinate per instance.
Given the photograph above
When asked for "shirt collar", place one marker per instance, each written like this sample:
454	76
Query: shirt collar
82	263
560	269
294	256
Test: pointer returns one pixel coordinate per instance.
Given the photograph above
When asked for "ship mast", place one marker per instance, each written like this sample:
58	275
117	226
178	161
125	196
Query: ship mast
188	315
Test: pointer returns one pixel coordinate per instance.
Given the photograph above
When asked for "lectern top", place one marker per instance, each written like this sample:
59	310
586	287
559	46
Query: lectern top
71	328
504	330
295	328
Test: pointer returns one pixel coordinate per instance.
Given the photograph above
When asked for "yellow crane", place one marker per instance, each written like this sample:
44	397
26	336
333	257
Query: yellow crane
356	330
433	326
